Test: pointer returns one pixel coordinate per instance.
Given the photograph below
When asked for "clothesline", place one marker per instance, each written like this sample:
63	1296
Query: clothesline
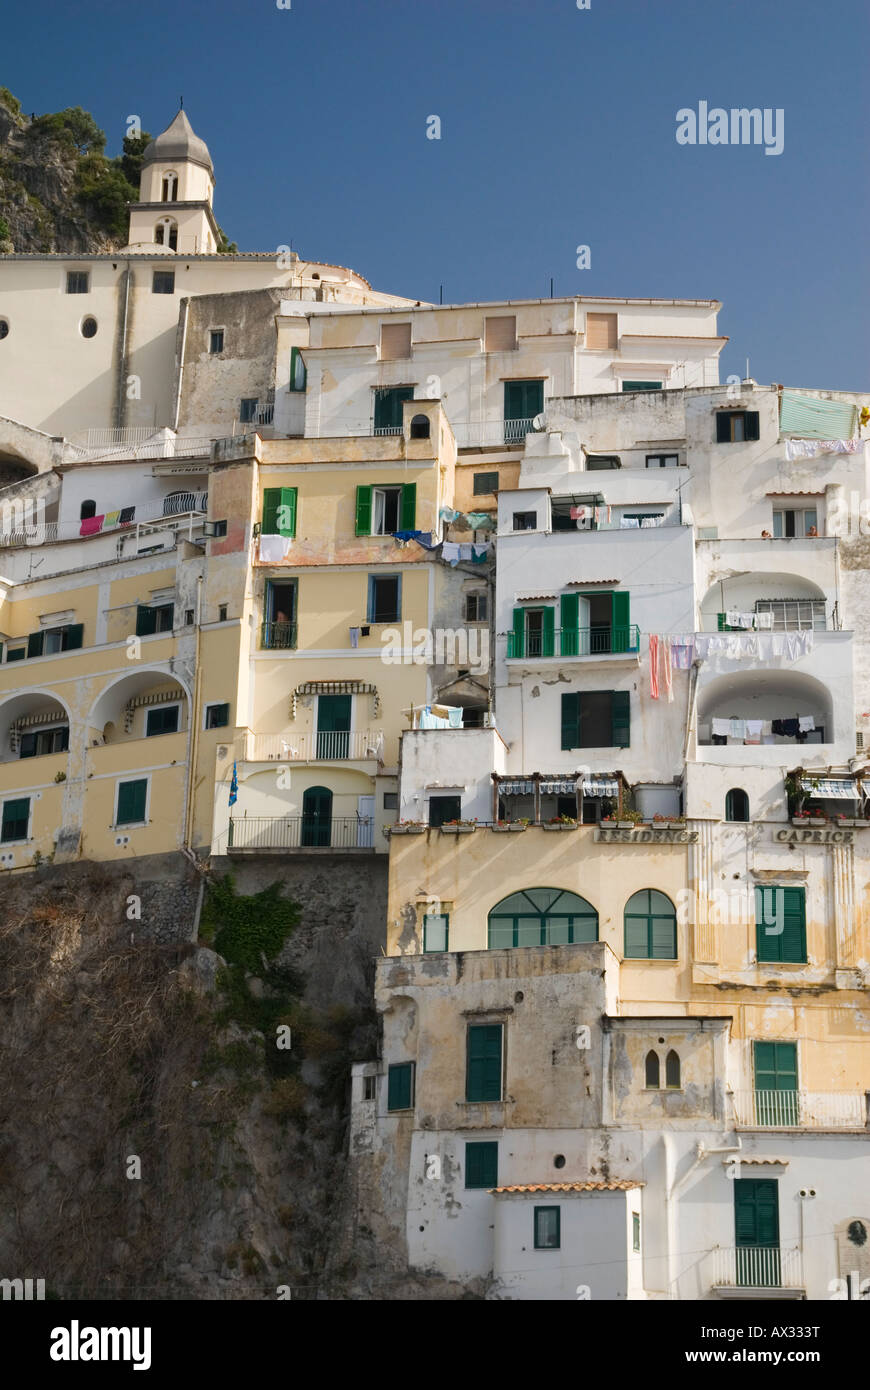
678	652
760	730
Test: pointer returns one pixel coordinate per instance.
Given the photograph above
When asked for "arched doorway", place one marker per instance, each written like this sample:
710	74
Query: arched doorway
316	817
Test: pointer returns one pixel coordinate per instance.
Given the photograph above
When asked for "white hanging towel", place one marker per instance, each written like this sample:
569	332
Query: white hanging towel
806	723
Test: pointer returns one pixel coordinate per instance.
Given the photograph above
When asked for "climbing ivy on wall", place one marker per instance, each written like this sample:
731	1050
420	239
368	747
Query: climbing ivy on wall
247	927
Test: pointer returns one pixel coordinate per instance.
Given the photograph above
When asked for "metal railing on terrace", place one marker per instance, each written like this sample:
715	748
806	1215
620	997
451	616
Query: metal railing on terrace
171	509
757	1267
582	641
278	636
136	441
300	832
801	1109
323	745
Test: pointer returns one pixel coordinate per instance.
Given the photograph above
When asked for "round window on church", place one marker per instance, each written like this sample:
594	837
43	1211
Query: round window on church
89	327
4	329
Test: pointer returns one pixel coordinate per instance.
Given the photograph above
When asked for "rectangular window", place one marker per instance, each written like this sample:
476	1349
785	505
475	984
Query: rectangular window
391	801
602	463
756	1232
217	716
641	386
794	614
500	333
132	798
481	1163
635	1232
43	741
596	719
163	282
382	511
476	607
525	521
216	340
385	598
662	460
443	809
50	640
370	1087
161	720
776	1088
395	342
154	618
483	1071
548	1228
400	1086
601	331
16	819
77	281
298	373
388	408
248	409
16	653
279	614
278	517
780	924
485	483
736	426
795	521
436	926
523	400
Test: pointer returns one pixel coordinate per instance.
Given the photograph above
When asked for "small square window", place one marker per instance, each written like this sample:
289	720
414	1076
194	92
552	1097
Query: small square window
385	598
163	720
248	409
163	282
485	483
736	426
16	653
132	799
16	817
481	1164
400	1086
391	801
216	340
222	613
77	282
435	931
443	809
662	460
635	1232
548	1228
395	341
188	617
525	521
217	716
370	1087
476	607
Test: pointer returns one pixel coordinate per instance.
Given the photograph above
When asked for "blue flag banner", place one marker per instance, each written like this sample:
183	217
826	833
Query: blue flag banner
234	787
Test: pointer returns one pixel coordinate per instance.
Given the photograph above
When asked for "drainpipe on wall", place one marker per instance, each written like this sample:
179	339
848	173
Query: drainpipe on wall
121	383
185	311
690	711
193	737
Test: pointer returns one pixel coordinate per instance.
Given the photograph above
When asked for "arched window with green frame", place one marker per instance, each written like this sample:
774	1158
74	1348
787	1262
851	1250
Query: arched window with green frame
650	926
541	917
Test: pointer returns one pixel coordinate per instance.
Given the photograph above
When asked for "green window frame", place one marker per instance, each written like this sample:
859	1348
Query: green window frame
217	716
443	809
541	917
365	508
756	1226
484	483
388	408
157	618
162	719
635	1232
71	637
729	431
400	1086
577	710
16	653
436	931
650	926
737	806
523	400
481	1163
16	820
298	371
131	802
641	386
548	1228
775	1079
484	1062
780	925
278	517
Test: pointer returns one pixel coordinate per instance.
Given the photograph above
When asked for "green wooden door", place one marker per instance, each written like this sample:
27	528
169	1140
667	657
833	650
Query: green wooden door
776	1088
756	1232
523	400
316	817
333	726
388	408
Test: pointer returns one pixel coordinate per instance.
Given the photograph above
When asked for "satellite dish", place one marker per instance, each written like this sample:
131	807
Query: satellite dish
538	422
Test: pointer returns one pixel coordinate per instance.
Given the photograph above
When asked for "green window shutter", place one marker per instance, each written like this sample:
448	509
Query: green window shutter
720	622
775	1066
750	425
16	815
636	937
271	503
794	933
408	512
363	511
517	641
74	636
620	718
723	427
663	938
131	801
287	512
756	1212
146	621
34	643
481	1164
569	622
297	370
484	1067
780	924
620	621
400	1086
548	639
571	720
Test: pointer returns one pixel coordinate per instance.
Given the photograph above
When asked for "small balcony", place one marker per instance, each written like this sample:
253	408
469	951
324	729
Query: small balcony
801	1109
574	642
326	745
754	1269
278	636
299	834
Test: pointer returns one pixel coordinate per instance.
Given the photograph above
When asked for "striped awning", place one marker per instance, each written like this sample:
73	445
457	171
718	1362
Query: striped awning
516	788
559	787
812	417
831	788
600	786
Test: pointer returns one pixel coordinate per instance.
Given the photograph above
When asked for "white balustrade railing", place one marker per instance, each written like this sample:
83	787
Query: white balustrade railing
326	746
801	1109
757	1267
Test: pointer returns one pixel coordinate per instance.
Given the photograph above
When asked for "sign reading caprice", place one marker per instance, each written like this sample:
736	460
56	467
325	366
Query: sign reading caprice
443	646
739	126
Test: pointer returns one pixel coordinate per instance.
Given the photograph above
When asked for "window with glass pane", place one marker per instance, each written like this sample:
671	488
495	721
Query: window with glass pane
794	613
542	917
650	926
16	816
435	931
547	1228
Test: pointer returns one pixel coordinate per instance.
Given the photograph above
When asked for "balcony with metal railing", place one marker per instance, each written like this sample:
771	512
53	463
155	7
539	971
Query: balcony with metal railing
300	834
577	642
801	1109
326	745
755	1267
278	636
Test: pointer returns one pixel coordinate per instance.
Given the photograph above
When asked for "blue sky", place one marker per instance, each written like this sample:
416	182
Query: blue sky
557	129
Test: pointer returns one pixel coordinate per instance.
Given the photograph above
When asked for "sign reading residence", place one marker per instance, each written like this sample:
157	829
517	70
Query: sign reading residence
646	837
794	836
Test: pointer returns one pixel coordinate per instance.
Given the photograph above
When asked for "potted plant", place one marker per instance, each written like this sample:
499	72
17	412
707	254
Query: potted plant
459	827
628	819
408	827
561	823
800	817
818	818
507	826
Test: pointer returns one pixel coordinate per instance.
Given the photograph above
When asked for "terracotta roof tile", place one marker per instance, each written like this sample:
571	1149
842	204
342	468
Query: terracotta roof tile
612	1185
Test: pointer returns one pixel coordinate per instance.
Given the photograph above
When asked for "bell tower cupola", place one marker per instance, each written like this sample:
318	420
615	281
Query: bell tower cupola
174	212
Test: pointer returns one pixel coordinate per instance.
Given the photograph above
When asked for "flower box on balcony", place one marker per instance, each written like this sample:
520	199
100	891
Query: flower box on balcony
818	820
675	825
509	826
800	820
559	825
407	829
458	829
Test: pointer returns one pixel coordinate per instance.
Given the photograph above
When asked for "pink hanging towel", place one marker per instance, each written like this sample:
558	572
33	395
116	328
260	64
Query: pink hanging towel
666	670
654	666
